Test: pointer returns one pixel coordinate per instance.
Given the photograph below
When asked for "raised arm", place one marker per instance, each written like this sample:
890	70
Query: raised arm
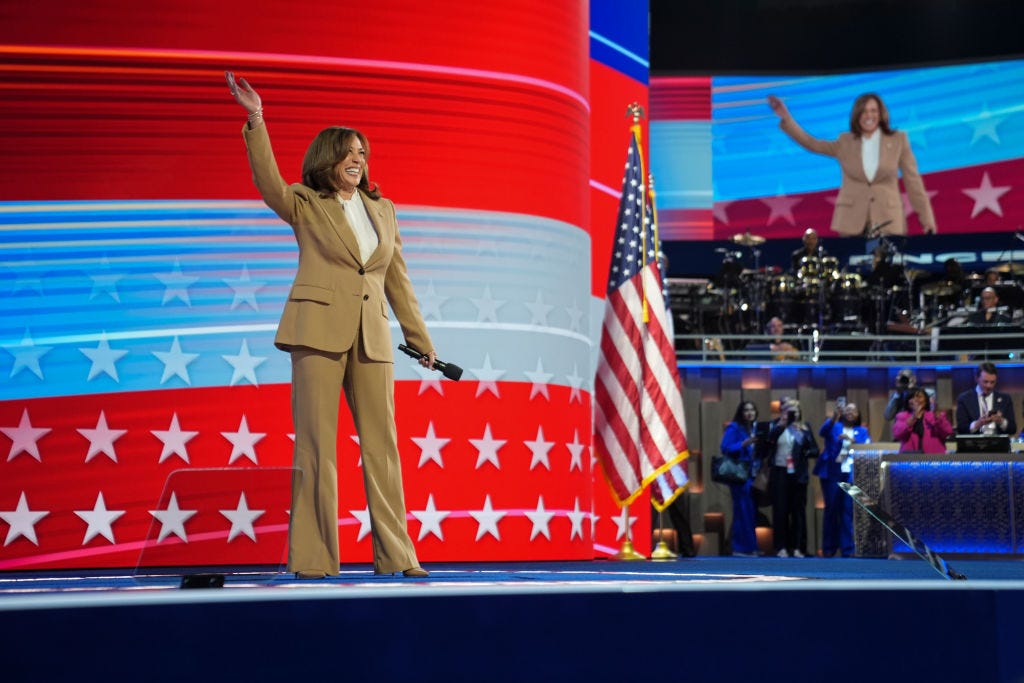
246	97
791	128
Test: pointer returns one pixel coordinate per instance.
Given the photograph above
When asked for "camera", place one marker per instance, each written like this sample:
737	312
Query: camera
791	417
992	413
903	382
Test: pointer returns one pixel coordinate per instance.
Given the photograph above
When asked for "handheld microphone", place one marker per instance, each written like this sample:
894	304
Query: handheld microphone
449	370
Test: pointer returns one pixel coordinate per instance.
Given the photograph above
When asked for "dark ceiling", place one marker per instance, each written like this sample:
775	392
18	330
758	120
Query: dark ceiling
808	36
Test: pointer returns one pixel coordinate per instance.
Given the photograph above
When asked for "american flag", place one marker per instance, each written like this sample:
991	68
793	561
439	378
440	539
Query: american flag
639	432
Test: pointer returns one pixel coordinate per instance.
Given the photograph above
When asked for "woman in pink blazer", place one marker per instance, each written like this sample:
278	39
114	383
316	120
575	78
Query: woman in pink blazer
920	430
871	157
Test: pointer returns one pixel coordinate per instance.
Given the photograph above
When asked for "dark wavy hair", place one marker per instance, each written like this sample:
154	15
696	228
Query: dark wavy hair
860	104
738	417
325	152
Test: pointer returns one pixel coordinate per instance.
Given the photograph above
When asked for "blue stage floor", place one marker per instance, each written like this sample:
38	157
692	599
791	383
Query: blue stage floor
702	619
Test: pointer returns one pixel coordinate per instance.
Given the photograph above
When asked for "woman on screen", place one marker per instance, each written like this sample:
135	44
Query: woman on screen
335	326
870	157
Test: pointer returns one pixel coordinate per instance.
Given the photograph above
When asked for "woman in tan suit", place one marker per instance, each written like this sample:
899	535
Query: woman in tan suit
870	157
335	326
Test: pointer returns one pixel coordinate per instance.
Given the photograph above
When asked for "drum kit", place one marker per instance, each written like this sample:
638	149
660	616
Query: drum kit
821	295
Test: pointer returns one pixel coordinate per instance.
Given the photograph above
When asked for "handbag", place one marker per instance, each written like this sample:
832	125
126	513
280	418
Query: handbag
727	470
759	488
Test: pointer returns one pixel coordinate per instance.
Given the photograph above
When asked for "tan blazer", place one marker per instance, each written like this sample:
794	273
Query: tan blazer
334	293
861	202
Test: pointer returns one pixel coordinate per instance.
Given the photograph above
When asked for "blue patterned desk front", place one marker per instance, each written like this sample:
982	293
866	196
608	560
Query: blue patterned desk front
956	505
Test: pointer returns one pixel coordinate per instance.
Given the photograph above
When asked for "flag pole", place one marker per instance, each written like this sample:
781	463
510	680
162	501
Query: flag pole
626	550
661	551
635	110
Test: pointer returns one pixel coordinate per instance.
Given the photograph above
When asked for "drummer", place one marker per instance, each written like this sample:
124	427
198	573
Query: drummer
811	249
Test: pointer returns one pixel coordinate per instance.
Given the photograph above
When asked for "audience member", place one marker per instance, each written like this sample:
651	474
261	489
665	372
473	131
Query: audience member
983	410
781	348
789	445
920	429
739	442
905	382
834	466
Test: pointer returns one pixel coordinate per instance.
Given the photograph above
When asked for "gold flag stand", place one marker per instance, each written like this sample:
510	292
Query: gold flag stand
626	550
661	551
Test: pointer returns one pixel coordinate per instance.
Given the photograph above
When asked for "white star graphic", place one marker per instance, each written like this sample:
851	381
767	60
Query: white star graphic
431	302
99	520
487	306
539	310
26	356
781	207
241	519
24	437
102	438
487	448
624	523
488	377
986	196
430	446
28	284
22	521
430	519
355	440
539	448
908	210
243	442
176	285
576	451
103	359
487	520
540	518
364	522
719	212
540	381
429	379
575	317
244	365
105	281
245	289
175	362
172	520
985	125
174	440
575	385
576	518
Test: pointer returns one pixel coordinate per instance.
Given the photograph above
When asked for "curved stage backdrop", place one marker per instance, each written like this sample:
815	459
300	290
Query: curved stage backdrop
142	278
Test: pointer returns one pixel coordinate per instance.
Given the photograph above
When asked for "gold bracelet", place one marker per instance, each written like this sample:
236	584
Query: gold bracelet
256	114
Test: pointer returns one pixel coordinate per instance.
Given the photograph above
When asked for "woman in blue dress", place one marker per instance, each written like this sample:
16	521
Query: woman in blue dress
739	441
835	466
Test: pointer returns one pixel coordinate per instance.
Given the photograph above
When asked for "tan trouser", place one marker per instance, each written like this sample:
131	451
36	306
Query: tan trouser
317	381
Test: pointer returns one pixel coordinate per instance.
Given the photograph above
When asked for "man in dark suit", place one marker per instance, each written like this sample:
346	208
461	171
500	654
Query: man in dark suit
983	410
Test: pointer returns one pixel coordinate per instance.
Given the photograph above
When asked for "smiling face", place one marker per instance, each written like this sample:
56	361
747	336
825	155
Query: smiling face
918	401
350	169
870	117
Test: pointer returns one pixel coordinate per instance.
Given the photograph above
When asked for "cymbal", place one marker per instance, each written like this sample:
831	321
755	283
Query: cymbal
940	289
747	240
1015	268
